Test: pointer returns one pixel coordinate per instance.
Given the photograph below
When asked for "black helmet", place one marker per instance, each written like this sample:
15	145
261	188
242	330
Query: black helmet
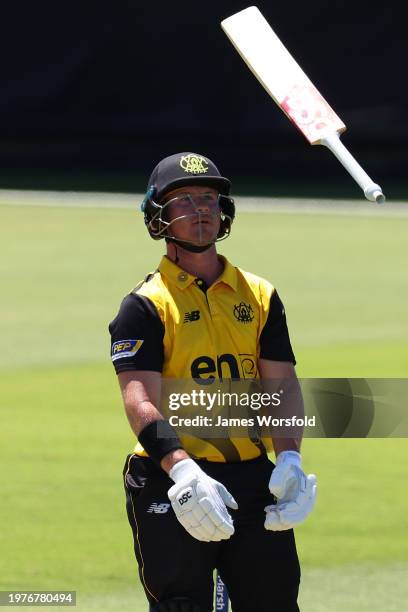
176	171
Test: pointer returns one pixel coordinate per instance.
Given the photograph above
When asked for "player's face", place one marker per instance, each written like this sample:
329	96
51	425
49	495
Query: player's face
194	214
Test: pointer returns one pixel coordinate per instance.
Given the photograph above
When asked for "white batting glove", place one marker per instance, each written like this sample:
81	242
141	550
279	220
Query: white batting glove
199	502
295	492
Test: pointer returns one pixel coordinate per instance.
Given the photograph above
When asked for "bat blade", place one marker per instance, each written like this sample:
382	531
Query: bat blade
281	75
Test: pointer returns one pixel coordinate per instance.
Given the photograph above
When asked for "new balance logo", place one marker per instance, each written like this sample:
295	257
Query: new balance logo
194	315
158	508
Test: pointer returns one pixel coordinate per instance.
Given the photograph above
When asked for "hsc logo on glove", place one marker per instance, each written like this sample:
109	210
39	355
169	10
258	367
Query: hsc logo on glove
184	498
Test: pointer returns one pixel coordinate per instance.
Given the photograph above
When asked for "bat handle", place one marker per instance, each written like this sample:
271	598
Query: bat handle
372	191
221	595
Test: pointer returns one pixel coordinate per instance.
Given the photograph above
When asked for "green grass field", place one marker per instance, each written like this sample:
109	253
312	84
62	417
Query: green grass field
64	435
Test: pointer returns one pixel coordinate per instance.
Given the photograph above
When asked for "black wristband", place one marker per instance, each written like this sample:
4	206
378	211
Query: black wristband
159	438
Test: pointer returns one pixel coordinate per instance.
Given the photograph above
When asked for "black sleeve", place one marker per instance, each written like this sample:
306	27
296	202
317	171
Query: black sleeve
137	336
274	340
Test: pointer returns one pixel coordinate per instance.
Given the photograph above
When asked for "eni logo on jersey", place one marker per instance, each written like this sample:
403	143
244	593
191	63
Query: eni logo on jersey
125	348
194	164
204	368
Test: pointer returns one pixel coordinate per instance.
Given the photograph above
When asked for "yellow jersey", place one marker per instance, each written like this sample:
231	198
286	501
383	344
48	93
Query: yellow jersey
174	324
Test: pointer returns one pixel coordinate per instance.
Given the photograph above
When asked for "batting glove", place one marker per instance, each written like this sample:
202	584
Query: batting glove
295	492
199	502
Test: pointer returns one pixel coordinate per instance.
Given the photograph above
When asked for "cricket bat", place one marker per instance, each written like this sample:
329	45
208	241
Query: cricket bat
292	90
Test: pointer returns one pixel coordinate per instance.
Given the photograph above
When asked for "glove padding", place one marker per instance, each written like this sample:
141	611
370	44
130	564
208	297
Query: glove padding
199	502
295	492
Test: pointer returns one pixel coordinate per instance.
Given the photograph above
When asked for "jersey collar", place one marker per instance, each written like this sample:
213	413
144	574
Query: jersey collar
229	275
183	279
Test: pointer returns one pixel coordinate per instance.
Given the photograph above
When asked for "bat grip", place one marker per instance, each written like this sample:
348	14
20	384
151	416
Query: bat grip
372	191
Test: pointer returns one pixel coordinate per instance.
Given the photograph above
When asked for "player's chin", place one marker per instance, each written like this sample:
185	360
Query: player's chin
200	232
197	233
205	235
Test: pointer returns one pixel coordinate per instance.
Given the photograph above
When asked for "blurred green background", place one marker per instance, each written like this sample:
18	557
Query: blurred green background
64	435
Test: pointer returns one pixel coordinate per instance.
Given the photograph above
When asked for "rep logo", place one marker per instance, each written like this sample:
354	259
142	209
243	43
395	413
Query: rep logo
156	508
125	348
183	499
243	312
194	315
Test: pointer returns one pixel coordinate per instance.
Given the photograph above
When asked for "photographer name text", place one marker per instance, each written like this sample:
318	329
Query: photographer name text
260	420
